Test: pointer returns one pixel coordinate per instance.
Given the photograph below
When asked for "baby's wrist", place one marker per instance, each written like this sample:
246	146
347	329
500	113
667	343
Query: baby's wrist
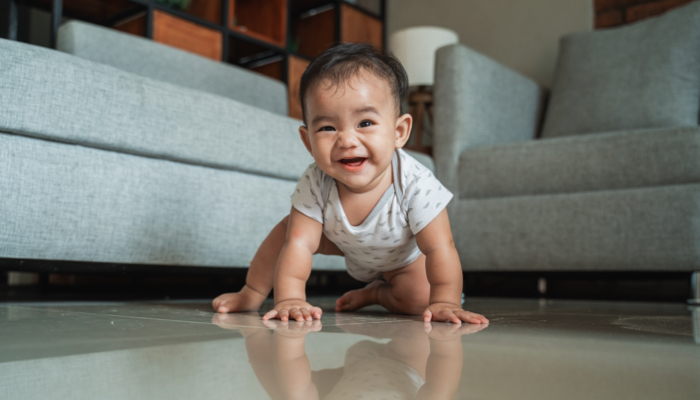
445	303
289	299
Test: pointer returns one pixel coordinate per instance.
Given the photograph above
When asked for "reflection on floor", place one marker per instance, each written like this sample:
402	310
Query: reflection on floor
181	350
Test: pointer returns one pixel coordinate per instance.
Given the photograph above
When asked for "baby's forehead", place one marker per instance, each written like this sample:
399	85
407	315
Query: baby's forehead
335	85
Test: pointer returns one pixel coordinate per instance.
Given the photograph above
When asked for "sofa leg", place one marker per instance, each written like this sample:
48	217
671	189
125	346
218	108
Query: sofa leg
694	302
695	315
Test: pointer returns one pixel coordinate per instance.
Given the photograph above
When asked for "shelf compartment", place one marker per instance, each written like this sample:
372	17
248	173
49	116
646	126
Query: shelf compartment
187	35
135	25
264	20
358	27
373	7
101	12
314	30
296	67
260	57
207	10
272	67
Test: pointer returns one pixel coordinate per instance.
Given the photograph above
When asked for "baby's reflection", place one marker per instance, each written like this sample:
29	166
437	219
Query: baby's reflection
421	361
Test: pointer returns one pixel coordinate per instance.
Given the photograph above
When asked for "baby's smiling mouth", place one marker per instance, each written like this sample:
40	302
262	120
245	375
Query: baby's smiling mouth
353	162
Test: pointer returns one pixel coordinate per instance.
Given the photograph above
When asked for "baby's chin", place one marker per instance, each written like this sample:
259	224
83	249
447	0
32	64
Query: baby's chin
361	183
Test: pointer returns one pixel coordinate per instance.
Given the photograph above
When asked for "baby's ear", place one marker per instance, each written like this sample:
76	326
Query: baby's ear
403	129
304	133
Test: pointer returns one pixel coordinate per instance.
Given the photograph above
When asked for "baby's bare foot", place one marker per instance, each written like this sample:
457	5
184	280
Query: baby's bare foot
356	299
245	300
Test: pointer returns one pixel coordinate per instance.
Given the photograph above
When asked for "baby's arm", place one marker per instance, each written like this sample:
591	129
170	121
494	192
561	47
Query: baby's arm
444	273
291	362
444	366
293	270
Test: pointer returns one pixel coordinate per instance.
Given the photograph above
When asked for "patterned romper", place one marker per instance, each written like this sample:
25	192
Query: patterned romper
385	240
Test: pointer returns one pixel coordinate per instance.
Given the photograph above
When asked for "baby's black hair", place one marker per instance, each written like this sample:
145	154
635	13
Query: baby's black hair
345	61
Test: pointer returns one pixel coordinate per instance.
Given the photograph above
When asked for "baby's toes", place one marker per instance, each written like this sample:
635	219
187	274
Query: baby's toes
216	305
340	303
224	307
344	303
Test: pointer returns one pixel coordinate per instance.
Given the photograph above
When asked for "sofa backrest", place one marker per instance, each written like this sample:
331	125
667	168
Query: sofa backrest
52	95
154	60
643	75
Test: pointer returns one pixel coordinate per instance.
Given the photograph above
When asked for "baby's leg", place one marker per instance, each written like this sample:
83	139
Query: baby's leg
261	273
406	291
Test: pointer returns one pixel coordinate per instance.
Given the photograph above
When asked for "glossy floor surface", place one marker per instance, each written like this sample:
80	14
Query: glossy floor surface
182	350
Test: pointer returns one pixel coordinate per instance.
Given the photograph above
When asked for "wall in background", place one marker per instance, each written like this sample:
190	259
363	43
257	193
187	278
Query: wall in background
609	13
521	34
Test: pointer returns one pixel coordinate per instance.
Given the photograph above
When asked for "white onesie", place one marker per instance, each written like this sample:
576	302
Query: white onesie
385	240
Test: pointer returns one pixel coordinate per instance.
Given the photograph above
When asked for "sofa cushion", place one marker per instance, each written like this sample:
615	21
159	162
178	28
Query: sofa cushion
647	229
57	96
67	202
154	60
642	75
606	161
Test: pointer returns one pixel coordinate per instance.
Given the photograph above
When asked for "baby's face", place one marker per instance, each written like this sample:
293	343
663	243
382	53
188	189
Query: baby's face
353	130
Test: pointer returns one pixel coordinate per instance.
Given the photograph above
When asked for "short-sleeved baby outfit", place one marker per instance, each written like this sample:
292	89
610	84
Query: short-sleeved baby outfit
385	240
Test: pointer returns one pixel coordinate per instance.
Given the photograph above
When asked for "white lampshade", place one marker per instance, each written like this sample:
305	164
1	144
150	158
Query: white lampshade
415	48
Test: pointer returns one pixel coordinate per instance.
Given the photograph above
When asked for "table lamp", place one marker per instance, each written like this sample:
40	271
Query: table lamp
415	48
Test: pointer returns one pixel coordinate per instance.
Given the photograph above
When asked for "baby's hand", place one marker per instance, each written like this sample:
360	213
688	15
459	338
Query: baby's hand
448	312
451	331
293	329
294	308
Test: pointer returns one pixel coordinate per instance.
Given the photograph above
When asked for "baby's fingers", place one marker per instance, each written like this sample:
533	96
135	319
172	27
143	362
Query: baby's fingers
270	314
315	312
472	318
441	315
427	315
451	316
297	314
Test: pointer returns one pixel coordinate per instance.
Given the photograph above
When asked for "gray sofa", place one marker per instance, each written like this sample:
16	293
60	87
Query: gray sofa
129	152
603	177
105	166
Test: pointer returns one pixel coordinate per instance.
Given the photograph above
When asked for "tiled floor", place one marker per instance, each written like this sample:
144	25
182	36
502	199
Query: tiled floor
181	350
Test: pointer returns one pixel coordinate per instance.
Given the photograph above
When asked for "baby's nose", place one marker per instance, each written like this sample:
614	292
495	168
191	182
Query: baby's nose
347	139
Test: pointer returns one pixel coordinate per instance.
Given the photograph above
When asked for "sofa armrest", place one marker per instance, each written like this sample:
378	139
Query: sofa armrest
479	102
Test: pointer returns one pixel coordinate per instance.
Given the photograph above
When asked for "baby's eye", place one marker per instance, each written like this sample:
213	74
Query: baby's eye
327	128
365	124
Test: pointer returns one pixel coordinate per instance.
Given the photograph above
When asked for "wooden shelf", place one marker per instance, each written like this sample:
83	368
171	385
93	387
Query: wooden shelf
314	31
296	67
356	26
262	19
247	53
272	67
248	33
135	25
208	10
373	7
187	35
102	12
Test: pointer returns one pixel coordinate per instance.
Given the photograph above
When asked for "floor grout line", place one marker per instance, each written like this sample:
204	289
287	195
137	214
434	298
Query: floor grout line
207	323
120	316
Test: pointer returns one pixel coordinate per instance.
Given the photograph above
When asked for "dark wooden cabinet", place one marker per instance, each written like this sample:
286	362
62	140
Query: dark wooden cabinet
277	38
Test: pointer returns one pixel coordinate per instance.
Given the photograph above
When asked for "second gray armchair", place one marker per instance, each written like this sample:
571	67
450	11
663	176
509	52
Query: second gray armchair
604	177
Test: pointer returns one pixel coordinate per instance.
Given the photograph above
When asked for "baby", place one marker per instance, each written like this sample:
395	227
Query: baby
363	198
